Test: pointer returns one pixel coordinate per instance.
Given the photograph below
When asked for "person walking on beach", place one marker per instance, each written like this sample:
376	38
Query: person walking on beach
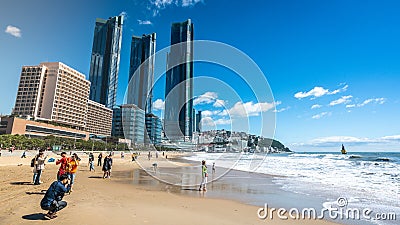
71	169
99	158
107	166
213	168
23	155
204	175
52	200
39	167
91	162
63	164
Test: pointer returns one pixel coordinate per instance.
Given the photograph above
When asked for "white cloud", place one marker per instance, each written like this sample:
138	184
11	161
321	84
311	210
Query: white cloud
14	31
206	98
144	22
157	5
210	122
316	92
316	106
391	138
125	15
224	112
320	115
319	91
348	140
379	101
219	103
247	109
158	104
342	100
208	113
187	3
281	110
343	89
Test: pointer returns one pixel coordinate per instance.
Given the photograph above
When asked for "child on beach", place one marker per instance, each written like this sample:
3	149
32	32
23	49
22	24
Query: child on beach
204	175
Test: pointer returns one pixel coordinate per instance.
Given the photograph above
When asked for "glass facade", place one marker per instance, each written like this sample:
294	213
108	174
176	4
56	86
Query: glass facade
141	71
104	64
133	123
178	117
198	121
153	129
117	130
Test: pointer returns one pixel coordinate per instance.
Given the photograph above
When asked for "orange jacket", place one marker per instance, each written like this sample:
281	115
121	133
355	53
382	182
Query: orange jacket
72	166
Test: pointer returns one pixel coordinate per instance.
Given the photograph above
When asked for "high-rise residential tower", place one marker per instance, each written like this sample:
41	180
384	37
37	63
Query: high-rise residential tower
141	71
178	114
104	64
53	91
198	121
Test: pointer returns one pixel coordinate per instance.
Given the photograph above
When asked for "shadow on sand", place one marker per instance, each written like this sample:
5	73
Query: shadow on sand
21	183
96	177
35	193
190	189
35	216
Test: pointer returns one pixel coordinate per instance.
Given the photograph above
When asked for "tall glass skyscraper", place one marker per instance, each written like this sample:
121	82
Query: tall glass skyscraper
104	64
141	71
178	114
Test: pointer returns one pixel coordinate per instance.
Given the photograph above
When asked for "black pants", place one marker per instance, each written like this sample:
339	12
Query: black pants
99	162
55	206
37	180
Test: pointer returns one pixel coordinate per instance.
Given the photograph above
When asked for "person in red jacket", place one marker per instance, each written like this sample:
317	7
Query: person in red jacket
63	164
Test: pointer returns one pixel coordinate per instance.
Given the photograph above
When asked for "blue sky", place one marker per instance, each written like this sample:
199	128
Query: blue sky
342	57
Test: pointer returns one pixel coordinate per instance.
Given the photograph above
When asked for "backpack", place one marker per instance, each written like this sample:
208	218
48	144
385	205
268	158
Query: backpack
33	162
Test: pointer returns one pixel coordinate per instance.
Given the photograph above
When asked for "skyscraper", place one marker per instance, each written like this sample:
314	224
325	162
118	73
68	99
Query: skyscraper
198	121
143	50
179	83
104	64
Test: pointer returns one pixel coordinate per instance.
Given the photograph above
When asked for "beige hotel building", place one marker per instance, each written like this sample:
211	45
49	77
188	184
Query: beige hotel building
55	92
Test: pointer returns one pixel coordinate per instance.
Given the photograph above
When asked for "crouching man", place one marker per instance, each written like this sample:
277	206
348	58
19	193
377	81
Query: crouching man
52	200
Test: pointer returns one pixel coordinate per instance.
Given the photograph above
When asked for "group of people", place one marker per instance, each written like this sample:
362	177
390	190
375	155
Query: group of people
68	166
52	200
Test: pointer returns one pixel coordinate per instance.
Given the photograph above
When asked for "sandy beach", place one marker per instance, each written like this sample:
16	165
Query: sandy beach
119	200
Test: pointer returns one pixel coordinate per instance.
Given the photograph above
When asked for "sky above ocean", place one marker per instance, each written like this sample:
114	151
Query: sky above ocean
332	66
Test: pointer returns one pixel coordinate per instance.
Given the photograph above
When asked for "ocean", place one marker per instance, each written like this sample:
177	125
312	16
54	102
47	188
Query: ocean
363	180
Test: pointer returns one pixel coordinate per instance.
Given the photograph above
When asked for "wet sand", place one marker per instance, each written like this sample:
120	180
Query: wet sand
129	197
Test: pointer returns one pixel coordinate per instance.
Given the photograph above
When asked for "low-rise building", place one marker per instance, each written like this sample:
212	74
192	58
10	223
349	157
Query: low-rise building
99	119
14	125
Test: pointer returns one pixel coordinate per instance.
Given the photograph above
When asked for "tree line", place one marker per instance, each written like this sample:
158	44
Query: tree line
22	142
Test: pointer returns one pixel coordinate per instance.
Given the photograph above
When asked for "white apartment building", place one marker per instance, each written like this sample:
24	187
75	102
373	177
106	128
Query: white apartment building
99	119
53	92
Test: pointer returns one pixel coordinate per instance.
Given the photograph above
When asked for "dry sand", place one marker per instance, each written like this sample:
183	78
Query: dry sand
113	201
